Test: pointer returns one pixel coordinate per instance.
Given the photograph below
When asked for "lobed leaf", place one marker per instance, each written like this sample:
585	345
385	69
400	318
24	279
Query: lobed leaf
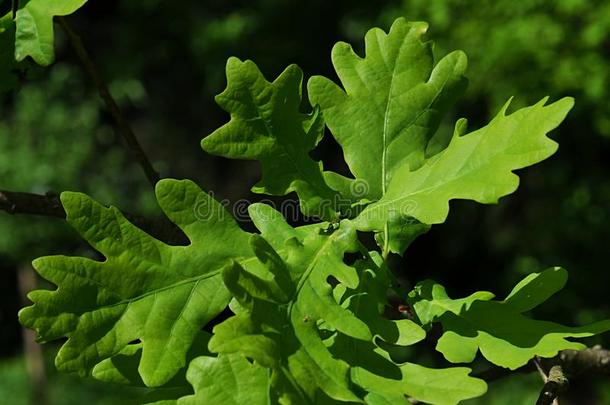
143	290
227	380
478	166
446	386
266	125
499	329
386	118
34	34
393	102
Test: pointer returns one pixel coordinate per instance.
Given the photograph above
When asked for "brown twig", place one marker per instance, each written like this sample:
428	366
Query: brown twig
556	383
123	127
49	205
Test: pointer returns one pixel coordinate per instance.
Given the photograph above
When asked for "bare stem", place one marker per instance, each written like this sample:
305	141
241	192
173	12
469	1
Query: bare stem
49	205
122	125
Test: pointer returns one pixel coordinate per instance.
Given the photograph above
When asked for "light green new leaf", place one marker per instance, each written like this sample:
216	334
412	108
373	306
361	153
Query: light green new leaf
283	298
266	125
227	380
144	290
499	329
446	386
393	102
478	166
34	35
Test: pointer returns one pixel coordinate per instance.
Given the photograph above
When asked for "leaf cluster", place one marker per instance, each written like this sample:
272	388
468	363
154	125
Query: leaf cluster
306	325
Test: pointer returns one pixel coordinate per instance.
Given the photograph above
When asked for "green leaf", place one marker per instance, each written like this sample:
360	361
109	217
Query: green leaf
498	329
227	380
144	289
393	102
478	166
386	119
34	36
435	386
266	125
280	330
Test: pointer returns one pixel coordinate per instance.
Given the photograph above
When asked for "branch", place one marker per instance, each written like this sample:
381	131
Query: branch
591	360
123	127
32	204
49	205
568	363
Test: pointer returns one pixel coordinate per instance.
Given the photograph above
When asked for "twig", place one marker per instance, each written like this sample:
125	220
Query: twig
49	205
536	361
555	384
123	127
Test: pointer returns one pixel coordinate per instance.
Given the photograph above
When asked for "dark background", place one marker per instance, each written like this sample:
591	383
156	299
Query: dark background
164	62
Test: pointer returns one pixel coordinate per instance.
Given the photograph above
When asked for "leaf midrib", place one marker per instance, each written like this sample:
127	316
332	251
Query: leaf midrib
461	174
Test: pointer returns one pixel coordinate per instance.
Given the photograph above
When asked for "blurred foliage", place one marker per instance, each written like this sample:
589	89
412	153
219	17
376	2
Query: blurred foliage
166	62
64	389
52	138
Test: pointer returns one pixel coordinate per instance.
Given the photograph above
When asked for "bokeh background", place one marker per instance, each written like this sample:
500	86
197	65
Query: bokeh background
164	62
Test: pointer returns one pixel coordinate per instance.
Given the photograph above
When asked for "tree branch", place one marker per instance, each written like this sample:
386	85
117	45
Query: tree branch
122	126
567	364
32	204
49	205
591	360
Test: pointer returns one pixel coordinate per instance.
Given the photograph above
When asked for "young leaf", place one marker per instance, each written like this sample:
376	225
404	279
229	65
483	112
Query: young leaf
393	102
266	125
34	34
144	289
386	120
478	166
498	329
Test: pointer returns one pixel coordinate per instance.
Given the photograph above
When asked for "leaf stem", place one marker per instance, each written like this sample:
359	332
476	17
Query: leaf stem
386	241
124	129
